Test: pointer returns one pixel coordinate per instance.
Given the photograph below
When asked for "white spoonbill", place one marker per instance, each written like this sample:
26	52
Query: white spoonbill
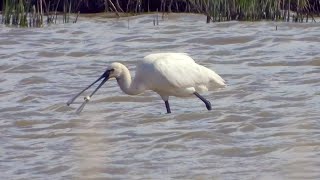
168	74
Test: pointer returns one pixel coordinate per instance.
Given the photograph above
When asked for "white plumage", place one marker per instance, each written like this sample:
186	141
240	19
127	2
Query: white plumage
175	74
168	74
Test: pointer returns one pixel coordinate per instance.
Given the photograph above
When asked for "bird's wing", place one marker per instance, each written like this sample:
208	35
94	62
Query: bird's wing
168	56
179	71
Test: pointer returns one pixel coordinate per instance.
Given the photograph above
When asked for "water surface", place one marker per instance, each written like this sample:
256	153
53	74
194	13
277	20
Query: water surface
264	125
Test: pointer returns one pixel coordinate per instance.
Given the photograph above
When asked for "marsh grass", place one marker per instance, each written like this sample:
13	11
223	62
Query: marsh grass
14	12
254	10
31	13
226	10
28	13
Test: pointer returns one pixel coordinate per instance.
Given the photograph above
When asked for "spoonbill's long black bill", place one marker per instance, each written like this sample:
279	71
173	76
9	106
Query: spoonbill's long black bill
87	99
105	76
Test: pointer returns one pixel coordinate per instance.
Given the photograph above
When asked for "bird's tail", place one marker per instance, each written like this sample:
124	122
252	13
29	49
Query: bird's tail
216	80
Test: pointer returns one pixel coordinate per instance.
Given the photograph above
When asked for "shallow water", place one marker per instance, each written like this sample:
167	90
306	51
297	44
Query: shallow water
264	124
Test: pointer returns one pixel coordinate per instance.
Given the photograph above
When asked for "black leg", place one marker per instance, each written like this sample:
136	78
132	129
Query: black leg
168	107
208	104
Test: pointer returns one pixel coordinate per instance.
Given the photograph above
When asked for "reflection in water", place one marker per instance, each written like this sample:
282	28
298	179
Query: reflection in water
263	125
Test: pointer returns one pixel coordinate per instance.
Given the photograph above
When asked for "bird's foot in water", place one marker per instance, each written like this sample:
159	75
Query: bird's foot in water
208	105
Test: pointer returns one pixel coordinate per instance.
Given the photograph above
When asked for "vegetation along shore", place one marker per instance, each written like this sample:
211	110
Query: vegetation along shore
34	13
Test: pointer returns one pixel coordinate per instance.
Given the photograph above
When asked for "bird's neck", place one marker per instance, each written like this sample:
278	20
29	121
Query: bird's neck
126	84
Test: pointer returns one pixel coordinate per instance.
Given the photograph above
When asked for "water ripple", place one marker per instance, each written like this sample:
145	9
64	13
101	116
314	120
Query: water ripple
267	116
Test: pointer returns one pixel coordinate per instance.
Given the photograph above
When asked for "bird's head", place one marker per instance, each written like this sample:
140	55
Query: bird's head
112	71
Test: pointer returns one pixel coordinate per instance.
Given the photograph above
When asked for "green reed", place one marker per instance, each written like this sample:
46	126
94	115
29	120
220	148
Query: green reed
253	10
226	10
243	10
13	11
30	13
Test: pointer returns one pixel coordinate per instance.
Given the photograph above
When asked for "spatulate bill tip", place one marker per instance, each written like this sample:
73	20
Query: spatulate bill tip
79	110
69	103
